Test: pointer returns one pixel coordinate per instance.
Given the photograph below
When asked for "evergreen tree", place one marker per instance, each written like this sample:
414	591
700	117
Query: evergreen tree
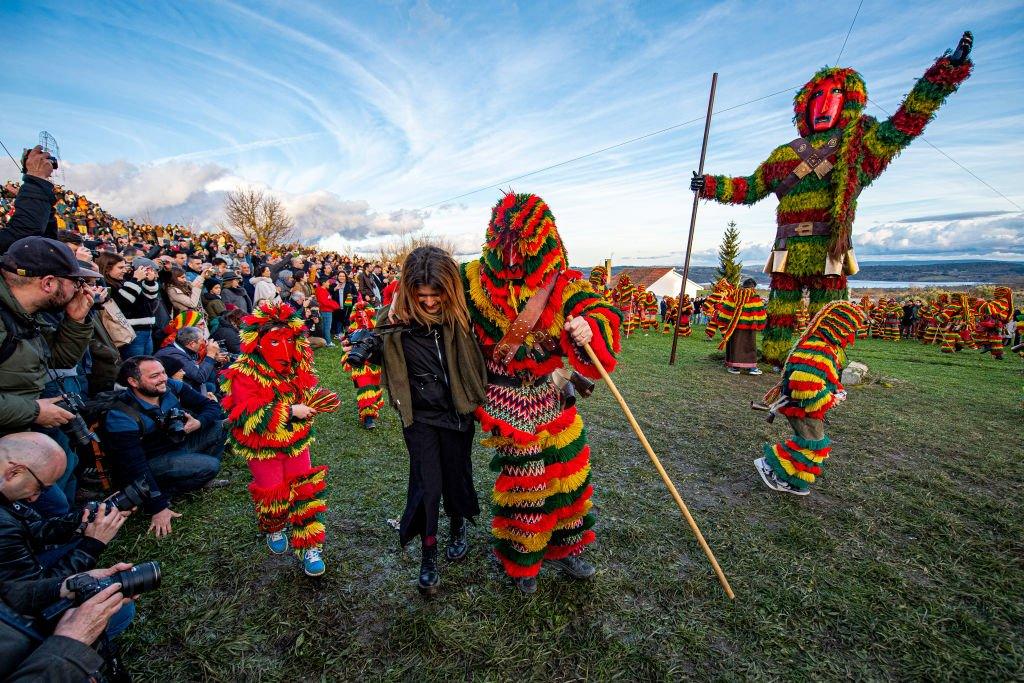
729	265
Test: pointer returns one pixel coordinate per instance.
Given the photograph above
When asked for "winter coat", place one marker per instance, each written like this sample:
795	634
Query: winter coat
323	298
264	291
238	297
137	301
23	375
33	213
180	301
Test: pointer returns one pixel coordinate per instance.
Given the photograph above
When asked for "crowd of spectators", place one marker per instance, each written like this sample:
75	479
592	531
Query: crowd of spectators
112	336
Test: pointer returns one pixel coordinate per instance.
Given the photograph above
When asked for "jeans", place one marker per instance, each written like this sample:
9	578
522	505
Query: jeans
193	464
121	619
326	320
142	345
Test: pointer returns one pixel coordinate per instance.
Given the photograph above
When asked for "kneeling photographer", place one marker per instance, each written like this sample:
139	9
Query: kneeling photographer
60	629
435	375
165	433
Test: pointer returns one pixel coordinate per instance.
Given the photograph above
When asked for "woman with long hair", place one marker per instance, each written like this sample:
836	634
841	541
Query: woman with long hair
435	375
185	295
136	295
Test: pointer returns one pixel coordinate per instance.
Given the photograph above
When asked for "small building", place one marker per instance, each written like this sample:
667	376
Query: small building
662	280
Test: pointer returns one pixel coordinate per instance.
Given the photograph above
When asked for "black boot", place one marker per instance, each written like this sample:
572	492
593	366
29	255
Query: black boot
430	579
458	544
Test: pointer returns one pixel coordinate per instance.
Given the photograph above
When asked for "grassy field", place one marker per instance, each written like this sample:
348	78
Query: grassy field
906	562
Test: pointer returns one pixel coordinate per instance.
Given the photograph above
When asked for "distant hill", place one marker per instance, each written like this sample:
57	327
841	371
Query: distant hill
1011	272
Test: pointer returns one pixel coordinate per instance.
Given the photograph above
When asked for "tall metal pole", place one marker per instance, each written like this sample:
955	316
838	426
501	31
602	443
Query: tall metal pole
693	219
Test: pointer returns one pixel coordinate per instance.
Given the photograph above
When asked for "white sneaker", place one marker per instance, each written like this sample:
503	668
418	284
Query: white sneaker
772	481
733	371
754	371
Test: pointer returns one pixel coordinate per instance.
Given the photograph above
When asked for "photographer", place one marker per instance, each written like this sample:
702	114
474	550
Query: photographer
435	375
164	432
39	276
33	207
67	654
201	375
29	464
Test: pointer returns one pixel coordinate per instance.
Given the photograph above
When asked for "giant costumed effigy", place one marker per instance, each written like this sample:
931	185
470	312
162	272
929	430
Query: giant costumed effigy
521	297
271	397
810	387
818	177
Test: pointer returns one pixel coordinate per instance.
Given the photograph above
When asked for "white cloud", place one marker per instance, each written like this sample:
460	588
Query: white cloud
191	193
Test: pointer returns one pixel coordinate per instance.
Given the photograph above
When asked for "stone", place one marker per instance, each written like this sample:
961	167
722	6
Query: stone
854	374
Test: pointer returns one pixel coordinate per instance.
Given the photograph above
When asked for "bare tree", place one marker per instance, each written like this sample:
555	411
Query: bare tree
398	247
259	218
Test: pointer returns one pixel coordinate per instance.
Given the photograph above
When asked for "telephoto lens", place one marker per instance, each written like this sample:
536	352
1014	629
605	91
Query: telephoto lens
141	578
133	495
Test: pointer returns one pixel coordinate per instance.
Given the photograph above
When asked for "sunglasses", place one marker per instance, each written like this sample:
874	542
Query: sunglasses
43	488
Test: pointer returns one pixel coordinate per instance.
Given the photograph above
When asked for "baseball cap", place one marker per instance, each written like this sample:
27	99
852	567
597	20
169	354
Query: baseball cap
140	262
41	256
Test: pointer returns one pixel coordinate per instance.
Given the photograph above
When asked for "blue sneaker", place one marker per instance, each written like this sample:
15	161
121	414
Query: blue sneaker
277	542
313	562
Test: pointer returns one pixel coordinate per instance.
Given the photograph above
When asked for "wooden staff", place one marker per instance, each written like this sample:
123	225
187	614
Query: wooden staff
661	470
693	216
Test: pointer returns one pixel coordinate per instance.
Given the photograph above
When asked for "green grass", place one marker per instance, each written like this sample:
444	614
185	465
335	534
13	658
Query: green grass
906	561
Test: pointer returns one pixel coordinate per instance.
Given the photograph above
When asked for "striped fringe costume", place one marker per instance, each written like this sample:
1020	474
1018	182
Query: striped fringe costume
542	494
369	395
685	310
957	323
865	149
286	488
810	382
648	312
865	308
993	316
721	289
668	323
626	299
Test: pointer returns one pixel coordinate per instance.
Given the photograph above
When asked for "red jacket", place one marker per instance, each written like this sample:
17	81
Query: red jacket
388	295
325	300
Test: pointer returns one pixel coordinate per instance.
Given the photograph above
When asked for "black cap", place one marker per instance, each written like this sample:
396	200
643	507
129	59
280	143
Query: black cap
41	256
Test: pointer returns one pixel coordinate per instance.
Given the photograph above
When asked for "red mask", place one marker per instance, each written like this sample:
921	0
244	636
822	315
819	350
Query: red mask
278	348
825	104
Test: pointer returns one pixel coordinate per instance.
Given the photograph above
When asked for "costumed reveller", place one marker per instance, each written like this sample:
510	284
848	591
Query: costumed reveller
271	397
740	316
668	321
993	315
529	312
930	334
956	321
802	316
878	318
648	305
865	307
810	387
626	299
818	177
435	374
891	314
599	280
723	288
685	312
366	378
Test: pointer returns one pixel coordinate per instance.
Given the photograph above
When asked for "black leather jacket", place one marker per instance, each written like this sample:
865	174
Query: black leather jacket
24	533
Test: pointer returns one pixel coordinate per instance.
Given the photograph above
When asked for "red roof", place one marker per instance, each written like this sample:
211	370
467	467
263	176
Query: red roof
642	277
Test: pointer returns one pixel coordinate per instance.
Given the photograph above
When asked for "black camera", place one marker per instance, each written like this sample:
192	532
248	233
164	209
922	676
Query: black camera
77	429
131	496
365	343
172	423
142	578
24	160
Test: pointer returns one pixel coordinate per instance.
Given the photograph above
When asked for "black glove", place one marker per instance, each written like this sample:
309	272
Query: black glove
963	49
697	182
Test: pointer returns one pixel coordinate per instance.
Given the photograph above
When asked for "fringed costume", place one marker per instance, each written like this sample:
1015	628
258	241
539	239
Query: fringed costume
648	305
956	320
930	333
273	374
369	395
685	313
891	314
993	317
818	177
599	281
543	490
722	289
810	387
865	308
668	321
626	299
740	317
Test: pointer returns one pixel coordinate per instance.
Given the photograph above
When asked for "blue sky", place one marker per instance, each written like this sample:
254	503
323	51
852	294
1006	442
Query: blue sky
365	117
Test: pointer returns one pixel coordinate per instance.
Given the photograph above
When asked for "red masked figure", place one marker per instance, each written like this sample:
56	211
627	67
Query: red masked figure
270	396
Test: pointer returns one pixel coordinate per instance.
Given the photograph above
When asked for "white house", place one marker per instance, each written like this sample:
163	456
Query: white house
662	281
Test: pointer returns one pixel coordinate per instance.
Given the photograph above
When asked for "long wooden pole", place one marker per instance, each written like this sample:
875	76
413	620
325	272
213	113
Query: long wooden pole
693	217
661	470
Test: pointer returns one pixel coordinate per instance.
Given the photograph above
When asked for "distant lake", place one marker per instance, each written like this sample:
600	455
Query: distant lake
898	284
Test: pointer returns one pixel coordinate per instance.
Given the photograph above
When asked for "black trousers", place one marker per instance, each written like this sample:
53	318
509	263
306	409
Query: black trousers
440	469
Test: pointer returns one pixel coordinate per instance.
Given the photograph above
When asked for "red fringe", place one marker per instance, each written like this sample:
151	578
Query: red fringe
517	571
507	482
499	427
308	513
945	74
562	551
269	496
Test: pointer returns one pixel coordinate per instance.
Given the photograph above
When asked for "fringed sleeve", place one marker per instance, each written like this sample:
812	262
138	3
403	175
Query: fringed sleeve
580	299
752	188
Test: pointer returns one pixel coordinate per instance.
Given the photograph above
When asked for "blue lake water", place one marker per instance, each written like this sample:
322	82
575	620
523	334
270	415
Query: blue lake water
896	284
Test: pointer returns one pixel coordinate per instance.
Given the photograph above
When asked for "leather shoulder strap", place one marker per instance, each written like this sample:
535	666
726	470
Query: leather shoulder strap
506	349
811	159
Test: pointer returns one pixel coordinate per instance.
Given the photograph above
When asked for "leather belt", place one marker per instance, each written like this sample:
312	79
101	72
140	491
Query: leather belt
805	229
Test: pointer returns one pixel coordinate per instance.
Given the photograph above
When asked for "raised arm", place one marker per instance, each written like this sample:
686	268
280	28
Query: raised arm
885	139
